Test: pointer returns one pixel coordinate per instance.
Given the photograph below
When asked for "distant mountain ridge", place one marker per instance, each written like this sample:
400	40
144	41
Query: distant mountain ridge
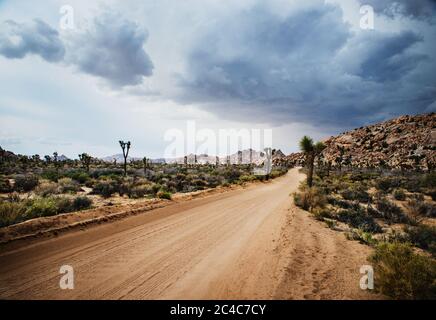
406	142
257	157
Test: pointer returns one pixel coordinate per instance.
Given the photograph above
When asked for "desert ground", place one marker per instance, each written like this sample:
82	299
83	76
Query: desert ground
242	244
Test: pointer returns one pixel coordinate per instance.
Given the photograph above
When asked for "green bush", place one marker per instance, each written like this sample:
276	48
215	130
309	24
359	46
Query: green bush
78	175
25	183
423	237
106	188
81	203
164	195
41	207
50	174
402	274
357	218
356	193
68	185
10	213
247	178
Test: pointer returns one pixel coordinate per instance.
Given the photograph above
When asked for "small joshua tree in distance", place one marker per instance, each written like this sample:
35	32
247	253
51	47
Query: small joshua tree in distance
125	146
145	161
86	160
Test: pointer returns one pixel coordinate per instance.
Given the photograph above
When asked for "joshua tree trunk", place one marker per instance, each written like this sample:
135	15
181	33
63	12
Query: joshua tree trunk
125	146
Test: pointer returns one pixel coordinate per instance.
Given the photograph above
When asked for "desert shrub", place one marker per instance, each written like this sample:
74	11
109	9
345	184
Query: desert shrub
310	198
68	185
399	194
423	237
25	183
164	195
390	211
112	173
50	174
105	188
386	183
412	183
48	188
140	191
10	213
78	175
247	178
81	203
344	204
155	188
322	213
5	185
231	175
361	236
356	193
402	274
419	209
41	207
429	180
357	218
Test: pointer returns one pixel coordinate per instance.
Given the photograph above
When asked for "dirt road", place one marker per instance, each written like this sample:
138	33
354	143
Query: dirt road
247	244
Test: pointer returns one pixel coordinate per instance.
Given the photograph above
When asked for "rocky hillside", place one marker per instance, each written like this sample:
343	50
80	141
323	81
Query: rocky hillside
407	142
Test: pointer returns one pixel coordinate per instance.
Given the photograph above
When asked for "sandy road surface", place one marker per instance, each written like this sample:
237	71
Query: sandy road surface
248	244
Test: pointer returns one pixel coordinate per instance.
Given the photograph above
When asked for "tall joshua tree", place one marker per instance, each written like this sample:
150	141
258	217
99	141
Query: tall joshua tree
125	146
86	160
311	150
145	162
55	161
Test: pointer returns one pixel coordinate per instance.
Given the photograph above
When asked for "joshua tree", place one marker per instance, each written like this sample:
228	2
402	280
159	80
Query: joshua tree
145	162
125	146
47	159
310	150
185	161
86	160
55	161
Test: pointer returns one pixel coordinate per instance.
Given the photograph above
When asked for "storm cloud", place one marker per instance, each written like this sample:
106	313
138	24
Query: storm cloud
418	9
307	66
112	48
17	40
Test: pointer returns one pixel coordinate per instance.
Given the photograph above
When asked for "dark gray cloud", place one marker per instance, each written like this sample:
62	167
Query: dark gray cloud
20	39
112	49
420	9
387	56
307	66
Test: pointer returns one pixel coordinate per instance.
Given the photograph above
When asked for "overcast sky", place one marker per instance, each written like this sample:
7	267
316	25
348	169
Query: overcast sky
134	69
